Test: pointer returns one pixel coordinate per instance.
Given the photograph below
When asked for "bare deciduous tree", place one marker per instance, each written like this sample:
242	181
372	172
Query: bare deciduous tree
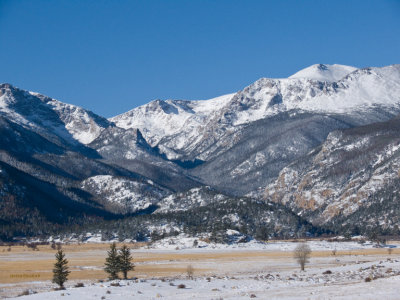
302	254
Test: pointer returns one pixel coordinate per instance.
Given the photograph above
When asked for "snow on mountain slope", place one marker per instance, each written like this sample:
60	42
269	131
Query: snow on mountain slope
123	193
49	116
322	72
363	88
189	128
370	95
165	118
190	199
354	170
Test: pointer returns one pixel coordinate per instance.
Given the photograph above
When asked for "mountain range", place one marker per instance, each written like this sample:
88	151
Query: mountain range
317	150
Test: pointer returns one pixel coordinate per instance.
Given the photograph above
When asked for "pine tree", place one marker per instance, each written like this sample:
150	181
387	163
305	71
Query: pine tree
60	271
126	264
112	265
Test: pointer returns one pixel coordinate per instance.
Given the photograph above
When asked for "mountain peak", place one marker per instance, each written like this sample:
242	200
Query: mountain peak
5	85
50	117
323	72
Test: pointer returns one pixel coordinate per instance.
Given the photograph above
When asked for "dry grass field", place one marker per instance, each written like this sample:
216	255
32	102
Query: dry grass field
21	265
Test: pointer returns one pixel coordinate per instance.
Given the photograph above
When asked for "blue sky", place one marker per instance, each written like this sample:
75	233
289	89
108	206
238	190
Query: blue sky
111	56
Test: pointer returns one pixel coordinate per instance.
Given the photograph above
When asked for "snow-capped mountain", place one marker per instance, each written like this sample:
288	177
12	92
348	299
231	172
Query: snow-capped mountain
321	72
49	116
193	129
272	122
183	119
181	155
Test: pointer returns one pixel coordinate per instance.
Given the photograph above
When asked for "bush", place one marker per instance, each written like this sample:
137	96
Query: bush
79	285
25	293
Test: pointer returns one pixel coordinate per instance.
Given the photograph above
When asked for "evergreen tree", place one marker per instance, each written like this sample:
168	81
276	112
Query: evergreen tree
262	233
126	264
60	271
113	263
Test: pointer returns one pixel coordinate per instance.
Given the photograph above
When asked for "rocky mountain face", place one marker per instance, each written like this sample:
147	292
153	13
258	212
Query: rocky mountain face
250	136
49	117
309	144
352	179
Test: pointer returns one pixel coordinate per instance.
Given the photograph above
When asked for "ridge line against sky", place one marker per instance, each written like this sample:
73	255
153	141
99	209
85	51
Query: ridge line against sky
112	56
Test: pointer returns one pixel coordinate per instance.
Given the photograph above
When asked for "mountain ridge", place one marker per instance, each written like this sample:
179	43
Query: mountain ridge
229	147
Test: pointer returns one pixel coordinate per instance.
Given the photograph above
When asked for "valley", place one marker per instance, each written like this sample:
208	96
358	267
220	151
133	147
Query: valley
230	272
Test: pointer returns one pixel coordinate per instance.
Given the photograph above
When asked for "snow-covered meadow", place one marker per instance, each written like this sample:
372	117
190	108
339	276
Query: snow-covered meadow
243	271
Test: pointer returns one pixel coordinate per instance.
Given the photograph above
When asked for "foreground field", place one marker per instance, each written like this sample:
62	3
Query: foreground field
262	271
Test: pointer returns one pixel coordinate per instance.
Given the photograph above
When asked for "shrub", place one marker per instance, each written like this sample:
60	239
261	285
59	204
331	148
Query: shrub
79	285
24	293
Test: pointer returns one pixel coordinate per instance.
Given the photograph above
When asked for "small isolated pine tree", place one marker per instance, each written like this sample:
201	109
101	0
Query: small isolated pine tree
126	264
60	271
112	265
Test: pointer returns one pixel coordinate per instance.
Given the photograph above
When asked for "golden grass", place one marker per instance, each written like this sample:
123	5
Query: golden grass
86	261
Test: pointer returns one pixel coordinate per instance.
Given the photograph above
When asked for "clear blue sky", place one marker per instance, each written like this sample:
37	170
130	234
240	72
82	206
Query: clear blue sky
111	56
